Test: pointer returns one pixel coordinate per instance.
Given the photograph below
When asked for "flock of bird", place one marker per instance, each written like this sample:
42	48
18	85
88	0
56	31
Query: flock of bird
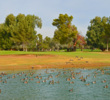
51	79
77	58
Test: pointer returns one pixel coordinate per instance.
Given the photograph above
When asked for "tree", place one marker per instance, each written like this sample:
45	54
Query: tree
24	30
95	33
5	42
53	44
46	42
5	32
39	41
19	31
49	43
106	34
65	32
80	41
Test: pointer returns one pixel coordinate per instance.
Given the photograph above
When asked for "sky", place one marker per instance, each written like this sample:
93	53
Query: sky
81	10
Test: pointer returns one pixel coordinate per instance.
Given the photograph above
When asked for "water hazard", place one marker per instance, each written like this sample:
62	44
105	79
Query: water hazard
56	84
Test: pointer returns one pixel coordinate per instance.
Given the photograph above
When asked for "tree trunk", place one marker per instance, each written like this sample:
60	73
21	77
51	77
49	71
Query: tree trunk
107	45
74	49
81	48
26	49
74	44
67	49
23	47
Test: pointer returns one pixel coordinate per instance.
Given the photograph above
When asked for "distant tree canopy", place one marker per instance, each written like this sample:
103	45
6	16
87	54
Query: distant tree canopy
65	32
19	33
19	30
98	34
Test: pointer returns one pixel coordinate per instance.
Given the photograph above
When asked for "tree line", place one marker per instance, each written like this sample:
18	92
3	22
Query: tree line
98	34
19	33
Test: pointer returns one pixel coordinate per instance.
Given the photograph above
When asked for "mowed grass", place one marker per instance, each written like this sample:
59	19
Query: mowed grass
20	59
49	53
86	54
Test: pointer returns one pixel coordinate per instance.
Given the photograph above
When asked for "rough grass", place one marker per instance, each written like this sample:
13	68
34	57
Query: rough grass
25	60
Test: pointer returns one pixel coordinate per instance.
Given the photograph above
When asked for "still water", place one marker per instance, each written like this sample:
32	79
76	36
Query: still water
56	84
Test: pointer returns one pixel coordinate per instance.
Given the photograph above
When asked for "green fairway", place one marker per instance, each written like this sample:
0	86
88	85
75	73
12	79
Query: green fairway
77	53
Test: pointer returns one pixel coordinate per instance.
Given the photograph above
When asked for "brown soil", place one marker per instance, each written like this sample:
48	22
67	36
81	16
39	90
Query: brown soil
25	62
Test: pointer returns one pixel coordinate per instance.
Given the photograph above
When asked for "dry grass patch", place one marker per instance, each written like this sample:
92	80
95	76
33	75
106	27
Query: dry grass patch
16	62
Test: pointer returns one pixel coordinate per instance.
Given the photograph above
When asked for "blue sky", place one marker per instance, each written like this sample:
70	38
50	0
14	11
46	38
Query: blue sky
82	11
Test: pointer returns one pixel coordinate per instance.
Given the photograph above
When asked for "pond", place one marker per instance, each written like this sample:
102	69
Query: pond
56	84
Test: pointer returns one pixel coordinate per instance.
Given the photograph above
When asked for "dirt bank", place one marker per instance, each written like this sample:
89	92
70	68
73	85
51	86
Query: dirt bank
25	62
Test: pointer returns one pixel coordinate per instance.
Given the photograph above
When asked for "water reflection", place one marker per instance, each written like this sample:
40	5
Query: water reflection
56	84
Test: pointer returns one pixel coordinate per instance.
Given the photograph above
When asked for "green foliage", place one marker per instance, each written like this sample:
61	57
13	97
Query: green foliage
98	32
19	31
106	34
5	42
26	29
10	20
39	42
65	31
